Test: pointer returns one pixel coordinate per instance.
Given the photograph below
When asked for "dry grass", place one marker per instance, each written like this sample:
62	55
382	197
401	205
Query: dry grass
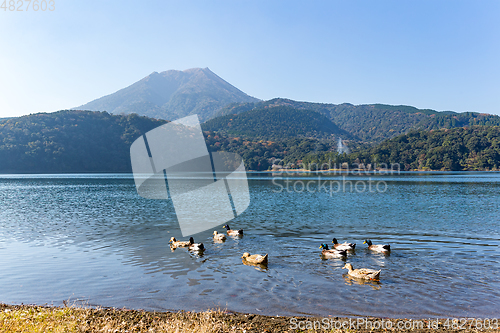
70	319
74	319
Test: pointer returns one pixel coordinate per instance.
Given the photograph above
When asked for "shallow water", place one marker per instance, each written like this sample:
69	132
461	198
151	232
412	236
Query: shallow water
91	239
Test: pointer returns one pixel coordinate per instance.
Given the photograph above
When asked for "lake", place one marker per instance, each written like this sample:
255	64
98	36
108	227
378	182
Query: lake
91	240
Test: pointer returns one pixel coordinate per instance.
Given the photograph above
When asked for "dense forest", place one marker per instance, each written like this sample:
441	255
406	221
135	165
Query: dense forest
276	123
261	155
469	148
70	141
84	141
375	122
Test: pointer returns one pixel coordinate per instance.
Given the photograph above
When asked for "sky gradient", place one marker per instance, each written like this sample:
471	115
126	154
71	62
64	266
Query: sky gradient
442	55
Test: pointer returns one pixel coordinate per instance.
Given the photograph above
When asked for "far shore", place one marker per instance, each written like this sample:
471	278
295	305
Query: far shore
283	171
387	171
34	318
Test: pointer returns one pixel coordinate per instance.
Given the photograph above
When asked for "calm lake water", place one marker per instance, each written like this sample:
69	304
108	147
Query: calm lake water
92	240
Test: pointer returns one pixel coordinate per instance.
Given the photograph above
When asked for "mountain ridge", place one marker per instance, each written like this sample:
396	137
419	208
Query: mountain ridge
276	123
175	94
70	141
374	123
86	141
172	94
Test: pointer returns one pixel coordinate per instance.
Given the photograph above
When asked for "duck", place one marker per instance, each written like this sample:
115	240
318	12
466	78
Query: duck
377	248
195	246
219	237
332	253
175	243
362	273
344	246
231	232
255	258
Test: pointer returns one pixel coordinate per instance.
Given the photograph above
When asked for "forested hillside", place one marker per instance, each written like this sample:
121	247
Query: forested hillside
70	141
375	122
260	155
472	148
84	141
277	123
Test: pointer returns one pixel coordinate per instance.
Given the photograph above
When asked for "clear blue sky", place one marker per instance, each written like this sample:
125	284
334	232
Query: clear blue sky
443	55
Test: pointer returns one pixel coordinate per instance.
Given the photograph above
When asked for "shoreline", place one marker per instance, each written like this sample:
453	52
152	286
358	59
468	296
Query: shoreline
21	318
374	171
284	171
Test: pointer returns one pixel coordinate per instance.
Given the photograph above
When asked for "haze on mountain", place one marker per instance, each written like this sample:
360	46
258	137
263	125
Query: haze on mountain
175	94
171	95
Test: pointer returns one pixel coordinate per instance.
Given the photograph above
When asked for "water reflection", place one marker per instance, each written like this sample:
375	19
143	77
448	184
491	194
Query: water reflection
259	267
333	258
94	238
349	280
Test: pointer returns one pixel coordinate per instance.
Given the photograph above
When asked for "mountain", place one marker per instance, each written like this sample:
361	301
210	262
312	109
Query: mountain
70	141
374	123
175	94
171	95
276	123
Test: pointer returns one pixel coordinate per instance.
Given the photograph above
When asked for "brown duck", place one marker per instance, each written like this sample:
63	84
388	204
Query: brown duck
255	258
175	243
362	273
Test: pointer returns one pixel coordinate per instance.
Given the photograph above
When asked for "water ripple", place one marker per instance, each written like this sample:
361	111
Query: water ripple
90	238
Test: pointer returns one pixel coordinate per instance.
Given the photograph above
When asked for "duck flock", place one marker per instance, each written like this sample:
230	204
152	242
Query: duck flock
338	250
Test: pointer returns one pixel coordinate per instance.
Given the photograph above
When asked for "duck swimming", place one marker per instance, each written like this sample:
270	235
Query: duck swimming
377	248
195	246
344	246
219	237
231	232
362	273
175	243
255	258
332	253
